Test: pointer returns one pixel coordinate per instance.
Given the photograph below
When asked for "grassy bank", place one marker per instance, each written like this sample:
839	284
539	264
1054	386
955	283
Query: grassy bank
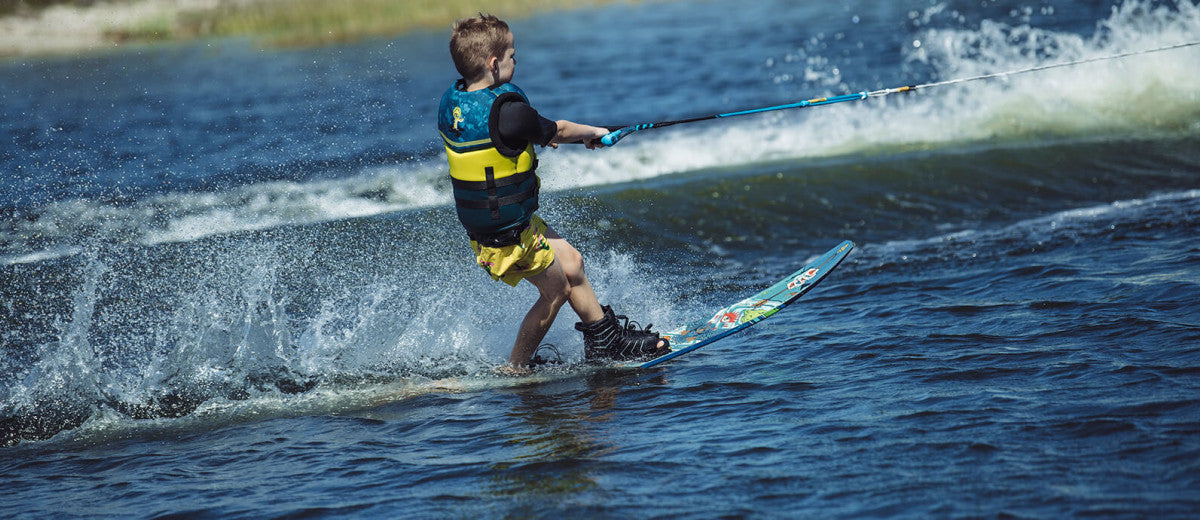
64	26
310	22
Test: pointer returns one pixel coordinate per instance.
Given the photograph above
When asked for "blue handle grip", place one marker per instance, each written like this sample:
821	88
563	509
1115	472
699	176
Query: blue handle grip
611	138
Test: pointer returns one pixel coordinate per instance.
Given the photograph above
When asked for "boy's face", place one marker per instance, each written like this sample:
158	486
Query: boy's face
507	63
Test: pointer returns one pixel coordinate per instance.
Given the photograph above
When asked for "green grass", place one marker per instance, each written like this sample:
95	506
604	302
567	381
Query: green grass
316	22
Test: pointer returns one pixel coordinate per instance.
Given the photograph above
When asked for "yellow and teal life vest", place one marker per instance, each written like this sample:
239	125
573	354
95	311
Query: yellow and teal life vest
495	186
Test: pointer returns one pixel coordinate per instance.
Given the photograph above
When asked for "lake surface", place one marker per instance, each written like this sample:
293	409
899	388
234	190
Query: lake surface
233	284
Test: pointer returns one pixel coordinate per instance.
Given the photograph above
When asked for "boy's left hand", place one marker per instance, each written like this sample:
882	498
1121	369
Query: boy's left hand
569	132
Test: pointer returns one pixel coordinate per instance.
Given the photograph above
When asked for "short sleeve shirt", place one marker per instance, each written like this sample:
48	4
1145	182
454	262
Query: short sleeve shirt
519	123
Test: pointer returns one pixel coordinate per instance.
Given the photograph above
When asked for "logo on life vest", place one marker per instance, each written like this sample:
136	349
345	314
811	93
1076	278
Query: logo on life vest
458	118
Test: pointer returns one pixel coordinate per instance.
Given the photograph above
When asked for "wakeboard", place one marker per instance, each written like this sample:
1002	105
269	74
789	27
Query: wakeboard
722	324
745	313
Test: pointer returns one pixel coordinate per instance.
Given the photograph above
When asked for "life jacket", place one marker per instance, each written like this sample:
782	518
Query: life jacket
495	186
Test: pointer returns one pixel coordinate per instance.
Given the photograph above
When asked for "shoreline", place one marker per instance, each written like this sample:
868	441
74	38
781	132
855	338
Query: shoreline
68	29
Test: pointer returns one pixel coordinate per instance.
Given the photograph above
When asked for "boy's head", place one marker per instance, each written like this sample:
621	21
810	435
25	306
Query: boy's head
475	41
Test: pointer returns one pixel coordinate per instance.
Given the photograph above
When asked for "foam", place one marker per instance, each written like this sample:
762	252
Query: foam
1145	96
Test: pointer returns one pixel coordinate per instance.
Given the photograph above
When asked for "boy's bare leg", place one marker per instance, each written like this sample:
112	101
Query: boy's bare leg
582	297
564	281
553	291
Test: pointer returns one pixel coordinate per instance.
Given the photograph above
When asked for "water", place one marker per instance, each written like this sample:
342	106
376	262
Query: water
232	280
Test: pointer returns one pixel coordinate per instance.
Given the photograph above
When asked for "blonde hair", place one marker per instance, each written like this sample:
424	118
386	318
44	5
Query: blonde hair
475	40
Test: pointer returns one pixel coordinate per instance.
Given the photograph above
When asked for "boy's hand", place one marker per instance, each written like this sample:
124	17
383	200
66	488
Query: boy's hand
569	132
592	142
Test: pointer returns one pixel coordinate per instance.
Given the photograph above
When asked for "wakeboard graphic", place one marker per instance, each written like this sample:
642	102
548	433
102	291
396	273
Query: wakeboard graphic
745	313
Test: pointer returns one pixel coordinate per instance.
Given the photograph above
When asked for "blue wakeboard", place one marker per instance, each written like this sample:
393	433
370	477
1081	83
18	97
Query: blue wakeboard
741	315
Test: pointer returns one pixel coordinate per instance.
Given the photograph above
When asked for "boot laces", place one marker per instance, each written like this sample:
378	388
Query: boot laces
633	325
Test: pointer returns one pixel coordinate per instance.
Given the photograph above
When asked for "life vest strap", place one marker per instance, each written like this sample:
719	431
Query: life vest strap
495	183
515	198
493	201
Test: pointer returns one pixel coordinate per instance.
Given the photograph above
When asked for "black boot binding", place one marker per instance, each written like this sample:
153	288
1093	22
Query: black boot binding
539	360
606	339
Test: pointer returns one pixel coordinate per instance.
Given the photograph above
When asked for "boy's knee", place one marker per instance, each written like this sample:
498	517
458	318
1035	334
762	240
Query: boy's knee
572	262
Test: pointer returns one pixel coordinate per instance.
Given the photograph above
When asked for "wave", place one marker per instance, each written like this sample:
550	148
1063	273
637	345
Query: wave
221	329
142	342
1176	211
1147	97
1150	95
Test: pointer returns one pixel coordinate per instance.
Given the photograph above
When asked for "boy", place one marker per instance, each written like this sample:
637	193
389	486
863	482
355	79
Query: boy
489	130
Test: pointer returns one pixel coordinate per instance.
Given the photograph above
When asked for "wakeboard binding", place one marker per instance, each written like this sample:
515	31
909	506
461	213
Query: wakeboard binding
614	337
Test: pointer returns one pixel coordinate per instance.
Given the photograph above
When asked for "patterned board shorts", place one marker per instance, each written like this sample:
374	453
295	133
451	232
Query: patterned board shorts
511	264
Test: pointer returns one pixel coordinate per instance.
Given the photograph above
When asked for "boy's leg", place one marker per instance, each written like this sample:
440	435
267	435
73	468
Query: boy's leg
564	281
582	297
553	291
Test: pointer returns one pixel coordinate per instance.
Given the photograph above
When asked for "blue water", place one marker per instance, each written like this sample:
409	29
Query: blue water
233	284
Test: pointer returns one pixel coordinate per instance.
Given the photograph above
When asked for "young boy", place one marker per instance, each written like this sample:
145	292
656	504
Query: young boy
489	130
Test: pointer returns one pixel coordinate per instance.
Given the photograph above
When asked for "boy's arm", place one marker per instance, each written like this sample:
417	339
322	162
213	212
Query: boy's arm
520	122
571	132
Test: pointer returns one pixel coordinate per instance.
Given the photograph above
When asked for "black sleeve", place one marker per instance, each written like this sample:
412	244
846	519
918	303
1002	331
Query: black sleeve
520	123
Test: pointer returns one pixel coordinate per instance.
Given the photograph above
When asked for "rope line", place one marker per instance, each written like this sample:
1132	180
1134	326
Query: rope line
618	133
884	92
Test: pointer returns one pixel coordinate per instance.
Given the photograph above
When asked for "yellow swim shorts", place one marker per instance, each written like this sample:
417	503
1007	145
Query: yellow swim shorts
511	264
